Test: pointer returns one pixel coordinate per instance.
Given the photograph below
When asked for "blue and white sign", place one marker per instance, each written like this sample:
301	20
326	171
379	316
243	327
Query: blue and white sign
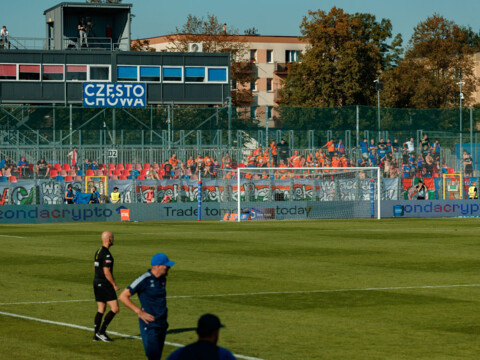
115	95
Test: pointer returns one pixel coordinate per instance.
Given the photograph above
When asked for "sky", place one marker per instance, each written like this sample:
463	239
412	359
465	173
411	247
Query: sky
24	18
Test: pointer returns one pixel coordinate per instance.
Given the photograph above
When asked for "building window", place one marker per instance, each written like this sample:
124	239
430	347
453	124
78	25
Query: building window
253	85
269	112
217	75
194	74
8	71
253	55
173	74
52	72
234	84
77	72
99	73
292	56
127	73
269	84
253	112
29	72
150	74
269	56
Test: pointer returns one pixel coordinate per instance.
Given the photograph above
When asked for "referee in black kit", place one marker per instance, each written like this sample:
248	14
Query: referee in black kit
105	288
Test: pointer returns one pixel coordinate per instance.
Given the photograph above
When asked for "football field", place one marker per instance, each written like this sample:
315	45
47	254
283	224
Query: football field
339	289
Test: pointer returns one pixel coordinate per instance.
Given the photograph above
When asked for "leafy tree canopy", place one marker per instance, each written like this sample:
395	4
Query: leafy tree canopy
346	53
439	55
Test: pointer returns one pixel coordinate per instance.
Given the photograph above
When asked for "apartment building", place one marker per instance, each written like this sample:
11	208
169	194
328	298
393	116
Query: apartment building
271	56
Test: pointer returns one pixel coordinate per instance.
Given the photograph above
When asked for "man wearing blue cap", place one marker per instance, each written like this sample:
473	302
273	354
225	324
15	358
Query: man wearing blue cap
206	347
152	294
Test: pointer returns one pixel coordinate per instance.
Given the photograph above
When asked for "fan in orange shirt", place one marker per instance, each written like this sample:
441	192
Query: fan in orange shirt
258	151
173	161
344	161
251	160
274	151
309	160
336	161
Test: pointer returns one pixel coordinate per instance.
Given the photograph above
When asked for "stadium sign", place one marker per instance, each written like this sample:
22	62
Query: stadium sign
114	95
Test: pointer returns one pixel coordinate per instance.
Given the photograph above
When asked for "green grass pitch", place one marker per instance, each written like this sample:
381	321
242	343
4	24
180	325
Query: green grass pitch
352	289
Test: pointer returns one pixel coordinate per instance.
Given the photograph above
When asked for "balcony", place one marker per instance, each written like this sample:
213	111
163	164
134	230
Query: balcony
277	97
281	68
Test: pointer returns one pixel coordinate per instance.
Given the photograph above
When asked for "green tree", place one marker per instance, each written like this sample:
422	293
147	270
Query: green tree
217	37
346	54
438	56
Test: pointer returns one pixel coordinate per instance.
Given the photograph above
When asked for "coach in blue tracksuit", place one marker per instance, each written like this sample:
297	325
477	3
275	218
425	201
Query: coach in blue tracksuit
150	288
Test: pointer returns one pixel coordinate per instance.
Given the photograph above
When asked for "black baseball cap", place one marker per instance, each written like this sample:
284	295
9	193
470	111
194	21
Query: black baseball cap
209	323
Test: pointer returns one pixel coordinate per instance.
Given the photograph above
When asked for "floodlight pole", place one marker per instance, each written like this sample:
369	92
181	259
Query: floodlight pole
461	119
378	104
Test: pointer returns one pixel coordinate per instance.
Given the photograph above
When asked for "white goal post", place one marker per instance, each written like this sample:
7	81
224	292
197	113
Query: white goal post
282	192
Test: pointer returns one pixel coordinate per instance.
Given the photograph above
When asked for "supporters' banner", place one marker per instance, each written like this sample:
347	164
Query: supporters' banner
125	189
189	190
51	193
22	193
390	189
304	189
4	200
281	189
258	190
325	190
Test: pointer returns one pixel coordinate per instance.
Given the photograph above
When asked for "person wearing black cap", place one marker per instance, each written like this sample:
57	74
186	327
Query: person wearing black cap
152	315
206	347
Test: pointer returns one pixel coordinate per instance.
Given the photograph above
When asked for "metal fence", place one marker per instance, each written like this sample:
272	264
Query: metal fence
151	135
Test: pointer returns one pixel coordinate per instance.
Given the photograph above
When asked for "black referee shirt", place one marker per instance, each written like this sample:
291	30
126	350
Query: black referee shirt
103	258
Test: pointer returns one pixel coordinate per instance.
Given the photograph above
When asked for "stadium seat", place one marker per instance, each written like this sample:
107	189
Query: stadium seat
90	173
12	179
71	173
66	167
111	166
141	177
62	173
155	166
143	172
137	167
31	167
146	166
120	167
53	173
241	165
57	167
98	172
126	172
128	166
78	178
113	177
451	171
122	178
68	178
117	172
102	167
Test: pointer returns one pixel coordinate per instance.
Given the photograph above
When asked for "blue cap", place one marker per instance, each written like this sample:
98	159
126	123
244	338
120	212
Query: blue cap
161	259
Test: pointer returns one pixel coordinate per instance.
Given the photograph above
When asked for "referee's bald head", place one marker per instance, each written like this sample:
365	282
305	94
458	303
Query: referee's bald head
107	238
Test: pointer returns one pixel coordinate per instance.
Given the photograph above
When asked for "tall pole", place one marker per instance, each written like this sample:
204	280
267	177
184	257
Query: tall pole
229	99
379	87
461	119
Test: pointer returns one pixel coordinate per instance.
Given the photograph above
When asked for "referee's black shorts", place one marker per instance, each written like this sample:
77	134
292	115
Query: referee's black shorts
104	291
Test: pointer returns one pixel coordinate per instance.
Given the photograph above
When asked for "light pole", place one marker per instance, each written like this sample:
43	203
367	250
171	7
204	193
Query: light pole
379	87
461	119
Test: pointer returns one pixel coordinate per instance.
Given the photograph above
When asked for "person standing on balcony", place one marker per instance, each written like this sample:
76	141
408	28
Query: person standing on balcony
4	37
82	32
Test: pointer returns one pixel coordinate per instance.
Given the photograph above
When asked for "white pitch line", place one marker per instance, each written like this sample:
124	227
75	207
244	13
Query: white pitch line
269	293
327	291
45	302
18	237
79	327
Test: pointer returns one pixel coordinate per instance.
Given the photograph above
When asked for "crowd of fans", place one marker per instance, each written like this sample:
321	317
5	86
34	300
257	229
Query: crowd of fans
395	159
